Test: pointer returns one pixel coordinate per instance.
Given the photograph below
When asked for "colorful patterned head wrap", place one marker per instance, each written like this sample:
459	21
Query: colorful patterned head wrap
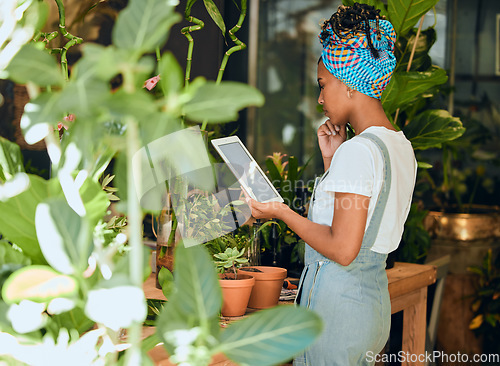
350	59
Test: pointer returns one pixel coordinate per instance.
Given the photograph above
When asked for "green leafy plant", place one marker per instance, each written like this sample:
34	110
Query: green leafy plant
464	177
415	242
407	97
486	303
286	175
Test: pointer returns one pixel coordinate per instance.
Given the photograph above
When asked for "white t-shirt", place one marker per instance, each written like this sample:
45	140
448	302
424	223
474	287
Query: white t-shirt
357	167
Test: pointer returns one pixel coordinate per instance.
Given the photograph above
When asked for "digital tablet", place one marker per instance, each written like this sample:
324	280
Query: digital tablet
246	170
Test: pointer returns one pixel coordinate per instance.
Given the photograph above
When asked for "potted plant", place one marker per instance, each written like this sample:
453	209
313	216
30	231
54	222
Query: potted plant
71	281
268	284
198	218
236	287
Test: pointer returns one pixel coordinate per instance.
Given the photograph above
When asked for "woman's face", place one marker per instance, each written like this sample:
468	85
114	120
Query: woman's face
332	96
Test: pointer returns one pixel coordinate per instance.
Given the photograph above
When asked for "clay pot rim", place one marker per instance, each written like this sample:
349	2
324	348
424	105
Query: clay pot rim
268	273
247	281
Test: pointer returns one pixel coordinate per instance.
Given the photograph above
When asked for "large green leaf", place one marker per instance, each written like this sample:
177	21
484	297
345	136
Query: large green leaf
17	216
195	274
11	160
37	66
221	103
273	173
293	170
99	61
171	75
404	14
138	104
405	86
157	125
215	15
431	128
196	301
144	24
37	283
84	97
65	238
421	60
74	319
270	337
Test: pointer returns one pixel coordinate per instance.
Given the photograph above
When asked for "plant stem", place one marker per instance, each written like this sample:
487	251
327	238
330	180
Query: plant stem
187	33
158	54
410	61
474	190
171	236
239	45
445	168
133	355
72	40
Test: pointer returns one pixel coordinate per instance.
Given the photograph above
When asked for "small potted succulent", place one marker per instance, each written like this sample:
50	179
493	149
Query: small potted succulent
236	287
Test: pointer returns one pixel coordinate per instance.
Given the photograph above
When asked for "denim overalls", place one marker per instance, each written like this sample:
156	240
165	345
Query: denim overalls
352	300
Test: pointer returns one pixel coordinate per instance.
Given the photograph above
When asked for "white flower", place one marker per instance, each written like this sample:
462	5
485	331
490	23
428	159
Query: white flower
27	316
185	351
117	307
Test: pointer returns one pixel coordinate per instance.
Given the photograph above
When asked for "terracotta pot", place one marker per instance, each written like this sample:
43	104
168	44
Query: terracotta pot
268	284
235	293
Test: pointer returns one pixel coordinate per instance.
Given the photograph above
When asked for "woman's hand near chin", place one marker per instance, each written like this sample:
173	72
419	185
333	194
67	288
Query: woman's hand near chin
330	137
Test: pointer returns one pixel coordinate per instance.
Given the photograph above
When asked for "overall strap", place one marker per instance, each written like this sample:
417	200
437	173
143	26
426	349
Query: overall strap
374	225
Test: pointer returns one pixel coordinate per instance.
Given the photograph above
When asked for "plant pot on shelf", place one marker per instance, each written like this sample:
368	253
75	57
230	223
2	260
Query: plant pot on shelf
235	293
268	284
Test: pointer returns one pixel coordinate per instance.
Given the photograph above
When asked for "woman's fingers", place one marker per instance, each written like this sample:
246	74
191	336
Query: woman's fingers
329	128
266	210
